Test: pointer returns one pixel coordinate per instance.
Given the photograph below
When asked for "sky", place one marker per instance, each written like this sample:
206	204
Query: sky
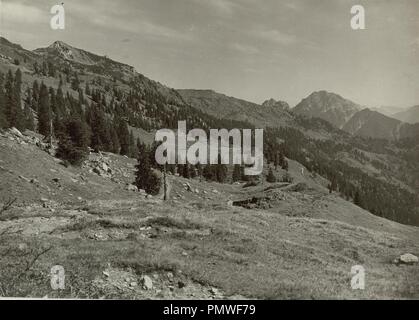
254	50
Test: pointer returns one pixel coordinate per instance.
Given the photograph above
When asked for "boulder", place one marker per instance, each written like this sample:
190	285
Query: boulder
131	187
146	283
407	258
16	132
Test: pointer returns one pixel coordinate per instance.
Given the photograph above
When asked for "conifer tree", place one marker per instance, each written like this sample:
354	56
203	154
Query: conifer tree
13	108
237	173
186	171
123	134
221	171
357	198
44	114
208	173
74	141
115	140
101	139
28	117
132	146
145	177
3	120
271	177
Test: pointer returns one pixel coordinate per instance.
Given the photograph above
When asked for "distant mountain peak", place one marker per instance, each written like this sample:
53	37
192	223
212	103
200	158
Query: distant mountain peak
276	103
410	115
69	53
59	44
328	106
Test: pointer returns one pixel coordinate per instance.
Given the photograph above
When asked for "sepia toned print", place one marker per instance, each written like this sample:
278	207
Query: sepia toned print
209	150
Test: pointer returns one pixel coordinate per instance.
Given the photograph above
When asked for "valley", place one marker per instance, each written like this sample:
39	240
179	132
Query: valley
337	198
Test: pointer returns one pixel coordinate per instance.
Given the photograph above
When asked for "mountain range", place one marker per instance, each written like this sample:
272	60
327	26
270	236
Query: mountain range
410	115
324	132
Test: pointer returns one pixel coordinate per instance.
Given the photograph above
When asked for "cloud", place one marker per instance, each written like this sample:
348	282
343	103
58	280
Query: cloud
276	36
225	7
18	13
124	19
246	49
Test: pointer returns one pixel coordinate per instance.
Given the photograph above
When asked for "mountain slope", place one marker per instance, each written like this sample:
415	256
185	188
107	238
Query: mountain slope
410	115
224	107
372	124
195	245
367	123
327	106
82	57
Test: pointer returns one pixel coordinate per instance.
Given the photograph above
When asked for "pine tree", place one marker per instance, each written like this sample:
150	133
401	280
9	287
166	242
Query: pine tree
357	198
44	115
208	173
75	84
29	119
115	140
101	139
271	177
35	96
60	102
145	177
221	171
237	173
3	120
186	171
132	146
123	134
74	141
192	172
13	108
87	90
285	165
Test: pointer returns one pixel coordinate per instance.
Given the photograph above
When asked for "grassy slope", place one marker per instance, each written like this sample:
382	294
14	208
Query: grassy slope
302	247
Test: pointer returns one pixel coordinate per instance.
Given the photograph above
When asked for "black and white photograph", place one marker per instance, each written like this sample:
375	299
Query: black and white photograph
209	150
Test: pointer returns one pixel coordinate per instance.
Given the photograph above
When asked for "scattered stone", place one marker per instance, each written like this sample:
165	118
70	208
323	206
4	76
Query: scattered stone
133	284
149	196
131	187
106	273
184	253
105	167
34	181
214	291
25	179
16	132
56	180
215	191
146	283
407	258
